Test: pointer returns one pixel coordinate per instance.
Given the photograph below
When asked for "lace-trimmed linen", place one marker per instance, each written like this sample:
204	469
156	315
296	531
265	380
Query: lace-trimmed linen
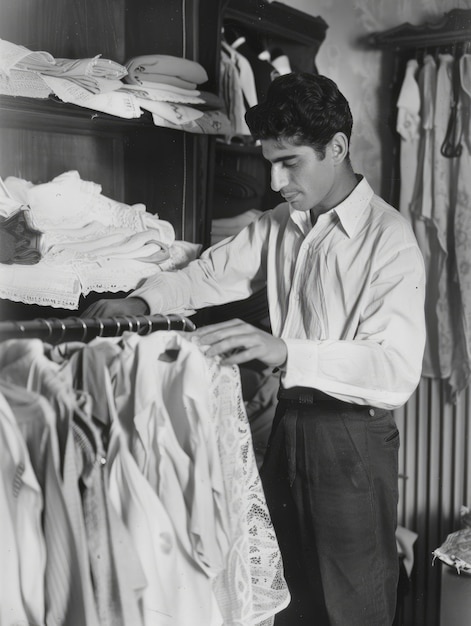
252	589
89	243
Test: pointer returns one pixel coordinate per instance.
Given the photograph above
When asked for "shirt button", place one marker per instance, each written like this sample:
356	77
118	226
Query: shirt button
372	412
102	460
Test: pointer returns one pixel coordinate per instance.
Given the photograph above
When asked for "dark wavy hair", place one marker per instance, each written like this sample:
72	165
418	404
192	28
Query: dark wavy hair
303	108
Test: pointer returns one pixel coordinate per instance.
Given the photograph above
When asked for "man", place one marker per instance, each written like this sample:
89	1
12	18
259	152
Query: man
345	284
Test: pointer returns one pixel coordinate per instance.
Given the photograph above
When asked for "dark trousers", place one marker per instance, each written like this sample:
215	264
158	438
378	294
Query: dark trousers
331	484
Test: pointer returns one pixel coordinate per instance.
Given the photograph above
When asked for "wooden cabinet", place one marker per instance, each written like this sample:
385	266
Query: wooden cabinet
134	160
178	175
242	177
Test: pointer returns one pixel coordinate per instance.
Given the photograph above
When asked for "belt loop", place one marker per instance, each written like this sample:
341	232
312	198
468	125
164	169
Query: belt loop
290	420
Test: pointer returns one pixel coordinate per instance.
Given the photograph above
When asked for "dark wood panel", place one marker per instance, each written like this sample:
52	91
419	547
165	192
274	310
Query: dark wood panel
66	28
38	156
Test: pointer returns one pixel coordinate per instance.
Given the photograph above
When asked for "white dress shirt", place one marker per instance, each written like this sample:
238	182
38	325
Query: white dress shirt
22	542
346	295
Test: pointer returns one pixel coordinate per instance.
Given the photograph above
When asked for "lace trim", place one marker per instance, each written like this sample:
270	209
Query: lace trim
252	589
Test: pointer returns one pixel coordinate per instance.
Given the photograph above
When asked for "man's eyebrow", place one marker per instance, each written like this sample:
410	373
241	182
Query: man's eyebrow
285	157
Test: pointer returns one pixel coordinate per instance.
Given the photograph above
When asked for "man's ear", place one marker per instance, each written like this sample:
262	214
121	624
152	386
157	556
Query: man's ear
340	147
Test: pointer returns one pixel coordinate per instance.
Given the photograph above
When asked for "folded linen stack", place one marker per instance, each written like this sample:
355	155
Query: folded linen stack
146	70
92	83
162	84
18	65
168	87
83	241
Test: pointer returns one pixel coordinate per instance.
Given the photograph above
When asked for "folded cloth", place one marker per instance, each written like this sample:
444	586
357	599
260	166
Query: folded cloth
175	81
163	93
172	112
148	67
89	73
11	54
210	123
162	87
96	66
22	83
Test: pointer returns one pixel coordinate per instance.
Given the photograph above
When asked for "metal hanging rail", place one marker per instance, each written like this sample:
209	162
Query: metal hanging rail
55	330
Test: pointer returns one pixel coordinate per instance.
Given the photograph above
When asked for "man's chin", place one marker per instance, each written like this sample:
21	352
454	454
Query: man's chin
297	205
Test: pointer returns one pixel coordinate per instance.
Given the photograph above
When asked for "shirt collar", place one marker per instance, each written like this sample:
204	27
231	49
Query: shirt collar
349	211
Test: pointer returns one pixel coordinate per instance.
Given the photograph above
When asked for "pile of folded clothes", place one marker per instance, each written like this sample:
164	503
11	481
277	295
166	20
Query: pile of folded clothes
169	87
164	85
64	238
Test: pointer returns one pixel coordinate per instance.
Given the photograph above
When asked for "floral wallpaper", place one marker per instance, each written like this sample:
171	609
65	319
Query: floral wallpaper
357	70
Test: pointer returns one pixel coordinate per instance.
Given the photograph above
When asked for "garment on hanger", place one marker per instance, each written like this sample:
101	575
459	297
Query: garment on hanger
23	546
462	223
237	87
408	127
262	69
436	205
153	491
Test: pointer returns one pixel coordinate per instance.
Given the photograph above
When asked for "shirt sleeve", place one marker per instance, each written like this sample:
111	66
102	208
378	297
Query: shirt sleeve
228	271
381	365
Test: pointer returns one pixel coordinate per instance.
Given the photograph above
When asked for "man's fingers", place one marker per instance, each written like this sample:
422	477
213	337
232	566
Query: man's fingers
214	333
231	326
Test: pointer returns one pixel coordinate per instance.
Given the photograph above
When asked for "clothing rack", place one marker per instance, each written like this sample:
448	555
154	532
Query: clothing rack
449	34
55	330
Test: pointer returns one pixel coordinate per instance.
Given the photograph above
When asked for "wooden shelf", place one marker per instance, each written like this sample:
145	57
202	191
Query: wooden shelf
56	116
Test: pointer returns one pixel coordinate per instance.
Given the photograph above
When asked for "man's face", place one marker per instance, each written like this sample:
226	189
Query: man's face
304	179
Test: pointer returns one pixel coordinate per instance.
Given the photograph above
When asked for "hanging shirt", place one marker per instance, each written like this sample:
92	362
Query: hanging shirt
177	446
443	204
408	127
64	600
462	225
22	542
346	295
189	412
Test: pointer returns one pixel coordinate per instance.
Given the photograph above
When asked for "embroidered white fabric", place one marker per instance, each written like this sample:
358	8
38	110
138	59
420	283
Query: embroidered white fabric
252	589
68	202
71	210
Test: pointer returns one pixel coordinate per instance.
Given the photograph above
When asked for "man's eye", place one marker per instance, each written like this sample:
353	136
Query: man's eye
290	163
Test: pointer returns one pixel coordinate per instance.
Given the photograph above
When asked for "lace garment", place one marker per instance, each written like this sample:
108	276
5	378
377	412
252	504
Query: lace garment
252	589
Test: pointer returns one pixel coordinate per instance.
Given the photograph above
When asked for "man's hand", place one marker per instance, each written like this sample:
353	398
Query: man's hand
237	342
115	307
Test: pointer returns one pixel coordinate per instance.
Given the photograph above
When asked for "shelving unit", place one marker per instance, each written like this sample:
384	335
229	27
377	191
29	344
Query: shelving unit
177	175
133	160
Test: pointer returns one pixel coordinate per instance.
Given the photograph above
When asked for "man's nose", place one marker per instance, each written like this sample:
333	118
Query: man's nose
278	177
